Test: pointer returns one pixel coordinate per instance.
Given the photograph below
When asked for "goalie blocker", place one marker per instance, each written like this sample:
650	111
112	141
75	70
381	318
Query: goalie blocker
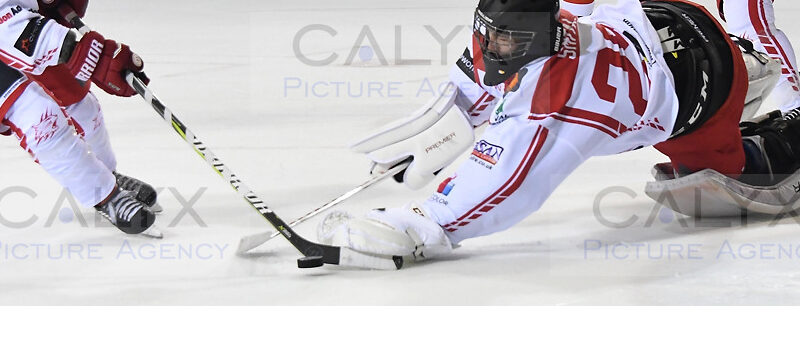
432	137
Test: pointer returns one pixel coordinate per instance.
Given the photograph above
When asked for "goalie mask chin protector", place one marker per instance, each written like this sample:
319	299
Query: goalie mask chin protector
512	33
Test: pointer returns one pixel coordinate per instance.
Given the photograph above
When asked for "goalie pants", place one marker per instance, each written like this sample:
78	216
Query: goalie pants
70	143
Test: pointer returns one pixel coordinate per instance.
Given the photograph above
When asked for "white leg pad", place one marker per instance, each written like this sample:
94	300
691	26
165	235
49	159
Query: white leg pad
762	79
708	193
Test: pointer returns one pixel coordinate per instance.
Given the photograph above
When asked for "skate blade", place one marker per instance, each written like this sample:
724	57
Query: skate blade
156	208
153	232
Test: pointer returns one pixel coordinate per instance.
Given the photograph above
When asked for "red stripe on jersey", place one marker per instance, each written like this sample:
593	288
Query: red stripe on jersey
477	60
607	121
509	187
758	17
477	102
23	141
568	119
12	61
12	98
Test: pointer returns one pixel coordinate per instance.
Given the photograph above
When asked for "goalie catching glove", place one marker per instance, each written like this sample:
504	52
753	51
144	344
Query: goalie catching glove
433	137
405	231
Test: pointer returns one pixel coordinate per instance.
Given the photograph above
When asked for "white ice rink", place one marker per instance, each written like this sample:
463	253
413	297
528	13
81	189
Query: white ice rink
231	72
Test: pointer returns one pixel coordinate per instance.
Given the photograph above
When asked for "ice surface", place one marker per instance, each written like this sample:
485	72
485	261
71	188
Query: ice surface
230	72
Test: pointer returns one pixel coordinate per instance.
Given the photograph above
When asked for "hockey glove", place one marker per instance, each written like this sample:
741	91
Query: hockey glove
105	63
405	231
117	59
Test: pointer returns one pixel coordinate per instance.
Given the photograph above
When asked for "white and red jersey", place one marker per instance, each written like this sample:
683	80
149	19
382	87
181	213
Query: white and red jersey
608	90
29	43
610	76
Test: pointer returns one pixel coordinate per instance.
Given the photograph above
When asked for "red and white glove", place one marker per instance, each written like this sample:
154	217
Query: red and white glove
105	63
49	9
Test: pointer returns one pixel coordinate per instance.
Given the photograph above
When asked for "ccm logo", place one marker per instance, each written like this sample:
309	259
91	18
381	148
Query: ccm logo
95	50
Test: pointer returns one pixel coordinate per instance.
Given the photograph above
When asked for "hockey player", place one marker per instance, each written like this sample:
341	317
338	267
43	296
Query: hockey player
557	90
47	104
755	21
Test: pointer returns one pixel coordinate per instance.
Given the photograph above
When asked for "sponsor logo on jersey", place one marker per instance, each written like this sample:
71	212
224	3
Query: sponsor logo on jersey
499	116
30	36
487	152
10	14
438	199
92	57
465	64
446	186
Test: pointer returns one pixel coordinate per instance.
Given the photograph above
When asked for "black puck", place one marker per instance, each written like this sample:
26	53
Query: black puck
310	261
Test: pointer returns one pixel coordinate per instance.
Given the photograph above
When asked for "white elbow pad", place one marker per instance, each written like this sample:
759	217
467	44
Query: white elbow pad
434	137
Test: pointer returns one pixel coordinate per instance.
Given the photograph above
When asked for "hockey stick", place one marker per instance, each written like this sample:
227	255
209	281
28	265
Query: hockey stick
250	242
315	254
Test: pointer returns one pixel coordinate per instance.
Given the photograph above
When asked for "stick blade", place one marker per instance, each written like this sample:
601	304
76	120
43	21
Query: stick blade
250	242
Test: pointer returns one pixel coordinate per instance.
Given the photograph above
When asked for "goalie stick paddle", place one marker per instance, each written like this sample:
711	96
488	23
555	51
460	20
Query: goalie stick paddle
329	254
250	242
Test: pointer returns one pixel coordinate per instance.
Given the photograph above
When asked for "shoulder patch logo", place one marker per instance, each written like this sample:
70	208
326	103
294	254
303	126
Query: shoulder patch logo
30	36
466	65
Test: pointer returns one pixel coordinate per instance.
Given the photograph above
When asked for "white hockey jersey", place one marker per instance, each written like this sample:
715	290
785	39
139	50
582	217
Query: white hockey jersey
608	90
29	44
610	75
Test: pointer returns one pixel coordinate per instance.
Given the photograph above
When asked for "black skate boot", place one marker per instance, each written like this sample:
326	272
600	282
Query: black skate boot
126	212
141	190
772	148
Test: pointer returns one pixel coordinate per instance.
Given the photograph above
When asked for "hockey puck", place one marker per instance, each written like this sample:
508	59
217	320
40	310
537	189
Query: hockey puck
310	261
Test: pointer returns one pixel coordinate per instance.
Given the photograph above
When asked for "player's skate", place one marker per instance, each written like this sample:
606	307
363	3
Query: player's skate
792	114
770	183
141	190
126	212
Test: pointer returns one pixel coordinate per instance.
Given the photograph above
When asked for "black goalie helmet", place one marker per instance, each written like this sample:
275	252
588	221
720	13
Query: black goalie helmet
512	33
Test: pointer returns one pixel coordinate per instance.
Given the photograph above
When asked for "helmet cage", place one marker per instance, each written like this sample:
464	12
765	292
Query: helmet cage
492	38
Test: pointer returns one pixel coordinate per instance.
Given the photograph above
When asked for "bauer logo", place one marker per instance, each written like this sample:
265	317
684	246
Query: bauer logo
487	152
